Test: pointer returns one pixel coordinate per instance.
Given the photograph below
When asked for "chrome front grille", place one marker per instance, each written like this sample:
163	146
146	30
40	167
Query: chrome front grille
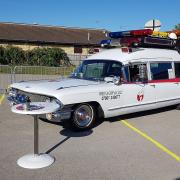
34	97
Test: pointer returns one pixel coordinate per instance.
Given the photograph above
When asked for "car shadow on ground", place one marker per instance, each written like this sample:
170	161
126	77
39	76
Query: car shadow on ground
72	132
68	132
67	125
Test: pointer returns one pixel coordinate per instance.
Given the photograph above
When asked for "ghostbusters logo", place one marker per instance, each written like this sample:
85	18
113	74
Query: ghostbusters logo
140	96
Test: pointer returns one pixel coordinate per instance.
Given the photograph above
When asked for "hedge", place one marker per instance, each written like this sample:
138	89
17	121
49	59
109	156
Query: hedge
11	55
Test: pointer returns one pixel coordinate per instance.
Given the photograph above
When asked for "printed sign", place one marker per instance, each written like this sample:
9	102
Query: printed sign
110	95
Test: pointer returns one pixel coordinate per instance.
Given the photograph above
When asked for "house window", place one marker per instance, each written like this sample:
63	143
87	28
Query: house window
78	49
161	71
177	69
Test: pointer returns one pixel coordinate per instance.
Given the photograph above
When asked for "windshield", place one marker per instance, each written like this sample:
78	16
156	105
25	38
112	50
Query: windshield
97	69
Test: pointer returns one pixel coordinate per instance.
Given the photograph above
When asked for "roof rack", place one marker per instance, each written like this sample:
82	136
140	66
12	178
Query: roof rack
143	38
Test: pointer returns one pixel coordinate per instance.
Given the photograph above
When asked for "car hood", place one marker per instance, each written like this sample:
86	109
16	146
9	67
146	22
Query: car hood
50	86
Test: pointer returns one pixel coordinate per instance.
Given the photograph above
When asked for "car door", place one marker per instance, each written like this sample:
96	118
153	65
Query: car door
134	92
137	93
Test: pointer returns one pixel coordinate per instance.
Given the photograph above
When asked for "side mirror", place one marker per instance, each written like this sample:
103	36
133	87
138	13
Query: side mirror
116	80
108	79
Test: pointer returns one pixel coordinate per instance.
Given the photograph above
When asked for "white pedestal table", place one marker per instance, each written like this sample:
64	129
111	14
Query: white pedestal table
35	160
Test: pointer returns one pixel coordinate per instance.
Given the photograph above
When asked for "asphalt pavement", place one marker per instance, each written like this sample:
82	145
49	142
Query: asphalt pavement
141	146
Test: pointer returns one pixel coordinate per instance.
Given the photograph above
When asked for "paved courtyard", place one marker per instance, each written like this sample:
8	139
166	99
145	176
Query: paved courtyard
142	146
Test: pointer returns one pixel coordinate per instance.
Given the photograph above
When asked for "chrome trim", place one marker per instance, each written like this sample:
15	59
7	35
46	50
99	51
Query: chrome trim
116	108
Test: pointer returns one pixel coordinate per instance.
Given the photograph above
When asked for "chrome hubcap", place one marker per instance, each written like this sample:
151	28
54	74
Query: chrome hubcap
83	115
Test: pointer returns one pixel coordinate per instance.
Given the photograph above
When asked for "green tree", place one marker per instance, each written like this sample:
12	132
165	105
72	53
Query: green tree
177	26
14	55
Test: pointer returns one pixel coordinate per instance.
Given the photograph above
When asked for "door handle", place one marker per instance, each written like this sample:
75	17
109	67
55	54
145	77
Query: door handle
176	83
153	85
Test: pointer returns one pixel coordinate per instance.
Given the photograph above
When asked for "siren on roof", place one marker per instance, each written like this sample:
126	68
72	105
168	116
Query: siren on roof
106	42
140	32
148	37
158	42
140	42
172	35
140	38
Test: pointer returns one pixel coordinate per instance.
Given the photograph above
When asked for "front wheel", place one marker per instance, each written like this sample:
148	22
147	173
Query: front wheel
83	116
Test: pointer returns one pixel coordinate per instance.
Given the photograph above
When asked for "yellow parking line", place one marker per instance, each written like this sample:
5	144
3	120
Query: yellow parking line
2	98
160	146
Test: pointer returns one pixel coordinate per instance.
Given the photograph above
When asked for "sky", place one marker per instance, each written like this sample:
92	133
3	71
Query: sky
113	15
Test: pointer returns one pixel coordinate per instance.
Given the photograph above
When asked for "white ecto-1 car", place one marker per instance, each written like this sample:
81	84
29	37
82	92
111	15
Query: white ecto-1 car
111	83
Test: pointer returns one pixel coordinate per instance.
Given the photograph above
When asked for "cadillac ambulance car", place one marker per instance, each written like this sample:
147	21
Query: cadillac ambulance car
113	82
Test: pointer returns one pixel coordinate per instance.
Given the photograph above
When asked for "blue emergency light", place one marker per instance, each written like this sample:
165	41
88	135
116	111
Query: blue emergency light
120	34
106	42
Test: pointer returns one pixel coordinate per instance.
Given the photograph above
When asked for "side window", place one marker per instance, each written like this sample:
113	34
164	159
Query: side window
93	70
177	69
161	71
138	72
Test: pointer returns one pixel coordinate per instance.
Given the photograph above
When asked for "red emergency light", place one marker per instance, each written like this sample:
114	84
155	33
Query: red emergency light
142	32
130	41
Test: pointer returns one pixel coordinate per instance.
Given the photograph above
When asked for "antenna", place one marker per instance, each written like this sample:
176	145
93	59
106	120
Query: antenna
153	24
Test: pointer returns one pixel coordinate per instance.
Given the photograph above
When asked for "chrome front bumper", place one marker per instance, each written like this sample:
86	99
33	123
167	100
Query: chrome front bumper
19	97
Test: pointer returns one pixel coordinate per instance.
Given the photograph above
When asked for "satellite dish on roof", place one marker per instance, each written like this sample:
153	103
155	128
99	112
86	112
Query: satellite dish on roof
153	24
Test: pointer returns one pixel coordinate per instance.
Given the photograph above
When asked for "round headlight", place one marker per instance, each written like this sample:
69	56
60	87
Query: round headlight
49	116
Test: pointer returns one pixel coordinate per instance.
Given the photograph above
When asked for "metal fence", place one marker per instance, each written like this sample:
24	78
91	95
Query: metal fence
76	59
11	74
6	77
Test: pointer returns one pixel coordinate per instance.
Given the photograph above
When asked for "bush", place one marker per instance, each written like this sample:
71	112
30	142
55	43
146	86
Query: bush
39	56
14	55
48	57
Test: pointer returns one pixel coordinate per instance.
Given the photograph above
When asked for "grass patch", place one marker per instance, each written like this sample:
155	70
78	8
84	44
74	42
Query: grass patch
5	69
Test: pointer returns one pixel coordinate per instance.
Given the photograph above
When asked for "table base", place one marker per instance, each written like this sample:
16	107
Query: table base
35	161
